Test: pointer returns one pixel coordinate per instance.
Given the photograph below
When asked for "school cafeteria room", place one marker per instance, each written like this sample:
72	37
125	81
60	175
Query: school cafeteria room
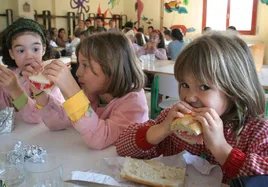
133	93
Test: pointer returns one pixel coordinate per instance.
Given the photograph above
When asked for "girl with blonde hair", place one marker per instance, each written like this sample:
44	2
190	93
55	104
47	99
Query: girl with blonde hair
219	87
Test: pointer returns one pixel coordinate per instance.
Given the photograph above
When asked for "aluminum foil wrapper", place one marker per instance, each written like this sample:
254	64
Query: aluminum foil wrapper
14	157
33	151
7	117
28	151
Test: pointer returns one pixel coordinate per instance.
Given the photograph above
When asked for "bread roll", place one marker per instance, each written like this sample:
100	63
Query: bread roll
188	129
152	173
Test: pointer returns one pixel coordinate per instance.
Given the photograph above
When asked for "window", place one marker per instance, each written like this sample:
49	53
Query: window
223	13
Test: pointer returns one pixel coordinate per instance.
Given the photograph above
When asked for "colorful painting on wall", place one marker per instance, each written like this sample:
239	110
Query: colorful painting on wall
147	20
176	6
183	28
265	1
139	8
103	15
114	3
80	5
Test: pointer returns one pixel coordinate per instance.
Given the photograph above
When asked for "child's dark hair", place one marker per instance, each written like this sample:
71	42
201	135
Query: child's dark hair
88	20
177	35
151	27
17	28
167	32
59	31
113	52
161	38
140	29
139	39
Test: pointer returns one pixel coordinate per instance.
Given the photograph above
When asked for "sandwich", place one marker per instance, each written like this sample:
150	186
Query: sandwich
152	173
40	81
188	129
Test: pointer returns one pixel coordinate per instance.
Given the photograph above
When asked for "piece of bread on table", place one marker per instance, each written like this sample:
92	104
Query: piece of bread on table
152	173
188	129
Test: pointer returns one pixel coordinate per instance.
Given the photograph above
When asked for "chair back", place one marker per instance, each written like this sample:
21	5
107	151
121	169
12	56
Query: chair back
168	85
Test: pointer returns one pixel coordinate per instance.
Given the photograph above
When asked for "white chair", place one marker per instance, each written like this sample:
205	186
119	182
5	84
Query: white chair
166	85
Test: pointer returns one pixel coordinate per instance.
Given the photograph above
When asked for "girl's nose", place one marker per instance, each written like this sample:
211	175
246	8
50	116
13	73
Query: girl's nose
191	97
29	54
78	71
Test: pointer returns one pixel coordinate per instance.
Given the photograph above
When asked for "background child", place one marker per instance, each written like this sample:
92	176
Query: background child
112	97
219	86
24	45
175	47
156	45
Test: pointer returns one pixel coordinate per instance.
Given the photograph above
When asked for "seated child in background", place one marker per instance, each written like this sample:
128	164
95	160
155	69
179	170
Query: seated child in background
112	97
210	71
156	45
24	45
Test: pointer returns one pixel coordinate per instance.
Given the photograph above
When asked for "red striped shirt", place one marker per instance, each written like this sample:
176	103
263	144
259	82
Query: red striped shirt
248	157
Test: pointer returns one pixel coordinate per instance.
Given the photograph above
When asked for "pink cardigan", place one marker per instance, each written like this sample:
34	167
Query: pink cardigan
102	126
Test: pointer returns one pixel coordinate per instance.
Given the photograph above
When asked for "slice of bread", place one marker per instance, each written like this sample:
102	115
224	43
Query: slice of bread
152	173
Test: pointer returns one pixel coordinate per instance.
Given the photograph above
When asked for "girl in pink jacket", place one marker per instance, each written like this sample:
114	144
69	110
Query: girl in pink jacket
24	45
112	95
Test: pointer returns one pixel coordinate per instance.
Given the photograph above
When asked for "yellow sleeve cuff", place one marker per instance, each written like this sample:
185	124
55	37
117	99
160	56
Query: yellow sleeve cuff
76	106
39	106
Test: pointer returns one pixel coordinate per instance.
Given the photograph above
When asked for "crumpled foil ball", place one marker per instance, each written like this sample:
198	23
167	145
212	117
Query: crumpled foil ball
7	117
29	151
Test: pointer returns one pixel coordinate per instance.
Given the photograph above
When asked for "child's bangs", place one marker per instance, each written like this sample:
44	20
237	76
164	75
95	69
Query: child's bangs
191	61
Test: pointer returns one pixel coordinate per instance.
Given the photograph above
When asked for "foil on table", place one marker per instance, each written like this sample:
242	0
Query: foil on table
34	151
28	152
7	120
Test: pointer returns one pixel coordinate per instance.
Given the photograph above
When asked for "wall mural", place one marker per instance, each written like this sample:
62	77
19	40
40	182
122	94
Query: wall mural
114	3
79	5
104	14
147	20
139	8
176	6
183	28
265	1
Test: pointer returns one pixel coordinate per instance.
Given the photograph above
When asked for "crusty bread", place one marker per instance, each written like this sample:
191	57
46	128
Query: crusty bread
152	173
188	124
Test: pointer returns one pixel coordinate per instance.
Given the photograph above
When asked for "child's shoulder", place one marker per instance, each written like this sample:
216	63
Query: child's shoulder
257	124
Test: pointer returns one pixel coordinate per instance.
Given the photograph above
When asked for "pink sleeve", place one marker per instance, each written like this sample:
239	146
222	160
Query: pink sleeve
161	54
53	114
101	133
29	113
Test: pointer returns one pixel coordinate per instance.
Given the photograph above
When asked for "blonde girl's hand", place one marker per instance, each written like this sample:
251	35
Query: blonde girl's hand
159	132
60	74
213	134
9	81
177	111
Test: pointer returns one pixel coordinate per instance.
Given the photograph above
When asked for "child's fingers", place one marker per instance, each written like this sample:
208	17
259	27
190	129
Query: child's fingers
30	70
182	107
50	72
211	111
36	66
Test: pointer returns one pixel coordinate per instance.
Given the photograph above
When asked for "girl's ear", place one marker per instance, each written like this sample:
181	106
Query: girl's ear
11	54
44	50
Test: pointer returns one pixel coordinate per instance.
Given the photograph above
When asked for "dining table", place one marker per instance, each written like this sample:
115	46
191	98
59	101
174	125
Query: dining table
65	144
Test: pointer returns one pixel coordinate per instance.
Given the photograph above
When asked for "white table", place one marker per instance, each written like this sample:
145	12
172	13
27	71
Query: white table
66	144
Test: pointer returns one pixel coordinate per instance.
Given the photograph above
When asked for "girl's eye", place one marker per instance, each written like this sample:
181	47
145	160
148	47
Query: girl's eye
20	51
184	85
204	87
36	49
